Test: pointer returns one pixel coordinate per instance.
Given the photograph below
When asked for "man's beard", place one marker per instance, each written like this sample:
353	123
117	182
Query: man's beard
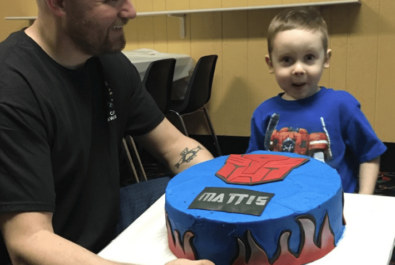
90	39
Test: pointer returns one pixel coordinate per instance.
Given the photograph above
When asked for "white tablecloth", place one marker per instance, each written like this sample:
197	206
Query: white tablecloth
368	238
141	58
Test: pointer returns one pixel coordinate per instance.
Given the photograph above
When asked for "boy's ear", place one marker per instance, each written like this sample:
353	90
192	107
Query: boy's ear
56	6
269	64
327	58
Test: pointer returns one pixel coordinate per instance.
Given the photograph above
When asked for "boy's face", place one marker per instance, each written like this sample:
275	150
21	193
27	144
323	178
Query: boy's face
297	61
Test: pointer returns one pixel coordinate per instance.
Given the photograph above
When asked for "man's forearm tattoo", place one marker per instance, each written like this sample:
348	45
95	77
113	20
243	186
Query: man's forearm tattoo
188	155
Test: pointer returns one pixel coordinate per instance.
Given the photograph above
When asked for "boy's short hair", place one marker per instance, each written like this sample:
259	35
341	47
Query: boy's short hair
297	18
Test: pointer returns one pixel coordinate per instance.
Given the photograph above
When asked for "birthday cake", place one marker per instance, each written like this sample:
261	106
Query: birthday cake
263	208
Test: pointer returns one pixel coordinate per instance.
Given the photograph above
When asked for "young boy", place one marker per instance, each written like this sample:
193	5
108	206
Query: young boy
308	119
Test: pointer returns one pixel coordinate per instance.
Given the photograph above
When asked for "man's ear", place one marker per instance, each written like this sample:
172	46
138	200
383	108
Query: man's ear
269	64
327	58
56	7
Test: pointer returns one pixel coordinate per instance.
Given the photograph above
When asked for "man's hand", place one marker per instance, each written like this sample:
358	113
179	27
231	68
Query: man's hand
189	262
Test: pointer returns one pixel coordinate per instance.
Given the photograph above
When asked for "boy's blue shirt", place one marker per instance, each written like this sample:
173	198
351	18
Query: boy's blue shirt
330	116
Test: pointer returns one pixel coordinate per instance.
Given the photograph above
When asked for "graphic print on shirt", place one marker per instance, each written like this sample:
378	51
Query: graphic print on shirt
298	140
110	104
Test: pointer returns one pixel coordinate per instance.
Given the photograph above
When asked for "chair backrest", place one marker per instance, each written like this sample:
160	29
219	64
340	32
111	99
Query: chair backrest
199	88
158	81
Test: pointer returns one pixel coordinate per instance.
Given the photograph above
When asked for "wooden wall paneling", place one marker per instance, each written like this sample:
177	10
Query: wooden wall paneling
385	118
158	5
325	12
338	42
136	5
177	5
235	73
317	1
143	5
139	31
206	39
264	2
145	32
160	26
160	33
176	44
362	55
131	35
285	2
18	8
201	4
234	3
261	84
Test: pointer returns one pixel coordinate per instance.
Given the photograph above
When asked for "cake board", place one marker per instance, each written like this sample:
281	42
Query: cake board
368	238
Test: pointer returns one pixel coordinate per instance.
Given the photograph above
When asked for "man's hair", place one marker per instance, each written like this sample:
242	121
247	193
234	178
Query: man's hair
297	18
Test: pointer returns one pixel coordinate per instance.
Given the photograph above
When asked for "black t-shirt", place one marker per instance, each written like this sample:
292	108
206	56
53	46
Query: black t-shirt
60	137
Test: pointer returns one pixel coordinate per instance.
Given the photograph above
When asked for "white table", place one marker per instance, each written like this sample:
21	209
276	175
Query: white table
141	58
368	238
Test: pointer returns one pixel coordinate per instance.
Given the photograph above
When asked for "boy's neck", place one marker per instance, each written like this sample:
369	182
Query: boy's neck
287	97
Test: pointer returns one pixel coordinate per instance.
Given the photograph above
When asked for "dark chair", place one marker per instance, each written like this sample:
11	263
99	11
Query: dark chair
129	144
198	94
158	81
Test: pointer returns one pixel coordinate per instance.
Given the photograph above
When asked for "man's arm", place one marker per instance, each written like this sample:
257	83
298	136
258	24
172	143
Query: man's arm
173	148
368	173
30	239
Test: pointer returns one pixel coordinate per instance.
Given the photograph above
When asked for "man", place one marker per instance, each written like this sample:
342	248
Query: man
67	98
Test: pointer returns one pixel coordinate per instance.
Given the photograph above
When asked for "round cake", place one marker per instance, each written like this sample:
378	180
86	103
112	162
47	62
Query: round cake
259	208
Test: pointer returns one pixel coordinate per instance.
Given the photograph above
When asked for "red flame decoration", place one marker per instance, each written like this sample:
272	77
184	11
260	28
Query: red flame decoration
309	249
180	249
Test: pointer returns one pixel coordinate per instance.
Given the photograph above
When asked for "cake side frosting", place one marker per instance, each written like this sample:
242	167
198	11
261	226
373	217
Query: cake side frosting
306	210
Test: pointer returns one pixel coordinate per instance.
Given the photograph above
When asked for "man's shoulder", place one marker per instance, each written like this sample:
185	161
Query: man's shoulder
20	53
25	71
119	72
13	59
117	63
112	56
115	59
9	45
12	39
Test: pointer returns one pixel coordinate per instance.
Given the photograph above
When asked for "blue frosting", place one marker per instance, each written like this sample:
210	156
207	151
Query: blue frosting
311	189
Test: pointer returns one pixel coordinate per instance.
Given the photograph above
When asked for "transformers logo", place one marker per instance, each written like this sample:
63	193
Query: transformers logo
256	169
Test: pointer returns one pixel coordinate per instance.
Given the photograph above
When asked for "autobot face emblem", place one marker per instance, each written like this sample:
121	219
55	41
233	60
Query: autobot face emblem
258	168
288	145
